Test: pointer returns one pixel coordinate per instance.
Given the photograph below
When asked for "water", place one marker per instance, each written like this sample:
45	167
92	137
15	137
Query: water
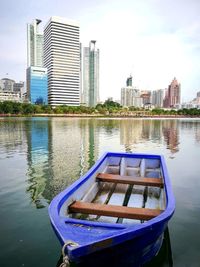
41	156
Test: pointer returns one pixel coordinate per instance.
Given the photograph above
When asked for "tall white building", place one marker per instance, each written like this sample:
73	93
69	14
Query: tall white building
157	98
90	75
62	60
131	97
34	45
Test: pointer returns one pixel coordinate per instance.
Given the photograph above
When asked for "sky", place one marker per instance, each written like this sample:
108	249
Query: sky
152	40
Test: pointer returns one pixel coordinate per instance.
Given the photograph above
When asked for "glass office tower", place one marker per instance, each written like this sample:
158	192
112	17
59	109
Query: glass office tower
37	90
36	73
91	75
34	44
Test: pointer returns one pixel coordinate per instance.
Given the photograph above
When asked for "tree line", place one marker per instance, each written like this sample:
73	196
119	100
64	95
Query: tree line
107	108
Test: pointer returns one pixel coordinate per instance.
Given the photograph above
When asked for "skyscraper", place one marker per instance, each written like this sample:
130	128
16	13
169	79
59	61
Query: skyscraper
62	60
157	98
36	74
130	96
37	85
173	95
91	75
34	45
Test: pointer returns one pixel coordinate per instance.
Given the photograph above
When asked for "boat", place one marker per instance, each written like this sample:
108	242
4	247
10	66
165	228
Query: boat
117	212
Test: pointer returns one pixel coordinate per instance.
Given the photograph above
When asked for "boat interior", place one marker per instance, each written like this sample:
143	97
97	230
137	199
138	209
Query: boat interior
125	190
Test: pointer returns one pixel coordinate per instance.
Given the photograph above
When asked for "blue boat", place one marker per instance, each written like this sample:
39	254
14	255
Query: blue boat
117	212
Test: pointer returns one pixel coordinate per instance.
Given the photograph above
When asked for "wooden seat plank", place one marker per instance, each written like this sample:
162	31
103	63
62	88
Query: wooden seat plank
113	178
113	210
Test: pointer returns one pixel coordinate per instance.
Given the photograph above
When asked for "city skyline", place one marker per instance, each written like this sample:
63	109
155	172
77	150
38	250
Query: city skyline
151	40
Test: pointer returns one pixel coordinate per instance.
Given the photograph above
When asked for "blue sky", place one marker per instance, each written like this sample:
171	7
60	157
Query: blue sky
154	40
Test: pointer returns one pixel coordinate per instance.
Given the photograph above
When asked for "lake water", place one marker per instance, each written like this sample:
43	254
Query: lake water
39	157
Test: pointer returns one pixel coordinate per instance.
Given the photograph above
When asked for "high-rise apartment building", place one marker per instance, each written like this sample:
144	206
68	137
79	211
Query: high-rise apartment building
90	75
157	98
173	95
62	60
34	44
130	96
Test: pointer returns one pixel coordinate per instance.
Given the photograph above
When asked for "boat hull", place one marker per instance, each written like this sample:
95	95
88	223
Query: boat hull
135	252
96	242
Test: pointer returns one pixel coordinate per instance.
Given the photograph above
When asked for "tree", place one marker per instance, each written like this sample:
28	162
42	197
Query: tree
47	109
17	107
1	107
7	107
109	103
28	108
58	110
37	109
157	111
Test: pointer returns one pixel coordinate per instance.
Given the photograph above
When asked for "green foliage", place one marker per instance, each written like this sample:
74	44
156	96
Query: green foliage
37	109
28	108
134	108
1	108
157	111
111	104
173	112
189	112
7	107
17	107
109	107
58	110
47	109
10	107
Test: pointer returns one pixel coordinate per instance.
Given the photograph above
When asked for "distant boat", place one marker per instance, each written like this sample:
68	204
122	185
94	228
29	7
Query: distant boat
118	211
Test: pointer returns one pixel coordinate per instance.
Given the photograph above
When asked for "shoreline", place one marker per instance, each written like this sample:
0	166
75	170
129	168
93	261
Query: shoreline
97	116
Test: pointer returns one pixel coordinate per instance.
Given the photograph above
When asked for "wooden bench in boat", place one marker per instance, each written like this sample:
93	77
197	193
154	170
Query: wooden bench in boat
113	210
113	178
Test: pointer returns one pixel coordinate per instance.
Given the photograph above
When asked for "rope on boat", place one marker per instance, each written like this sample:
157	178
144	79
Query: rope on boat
66	262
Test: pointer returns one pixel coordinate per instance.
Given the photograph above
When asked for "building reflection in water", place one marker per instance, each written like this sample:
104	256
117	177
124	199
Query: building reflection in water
37	131
130	133
171	134
90	144
185	125
197	135
59	152
12	136
133	132
74	149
